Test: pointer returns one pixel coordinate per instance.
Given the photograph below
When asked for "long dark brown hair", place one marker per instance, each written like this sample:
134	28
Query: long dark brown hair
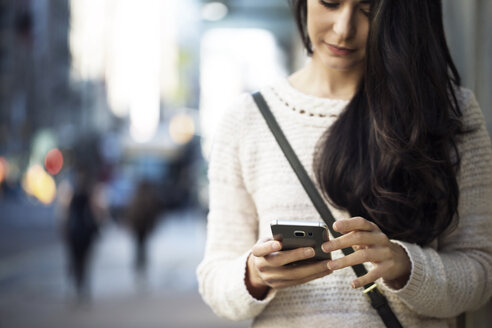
391	156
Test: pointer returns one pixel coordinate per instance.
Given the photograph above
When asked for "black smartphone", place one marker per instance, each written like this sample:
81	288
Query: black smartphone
295	234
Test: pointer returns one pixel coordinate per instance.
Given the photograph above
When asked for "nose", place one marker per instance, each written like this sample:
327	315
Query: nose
344	25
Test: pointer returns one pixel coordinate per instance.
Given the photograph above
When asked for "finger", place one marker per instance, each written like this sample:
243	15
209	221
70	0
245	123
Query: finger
355	223
270	263
360	256
299	272
369	277
307	270
289	283
360	238
285	257
263	248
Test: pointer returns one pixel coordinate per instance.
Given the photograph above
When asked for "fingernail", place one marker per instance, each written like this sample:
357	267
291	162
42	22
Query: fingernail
335	225
326	248
354	284
332	265
309	252
276	246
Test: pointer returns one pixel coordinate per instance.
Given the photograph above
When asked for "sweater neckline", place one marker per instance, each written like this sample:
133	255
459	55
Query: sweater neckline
307	108
299	93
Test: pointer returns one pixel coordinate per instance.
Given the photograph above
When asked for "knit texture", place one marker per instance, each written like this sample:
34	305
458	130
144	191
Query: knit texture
251	184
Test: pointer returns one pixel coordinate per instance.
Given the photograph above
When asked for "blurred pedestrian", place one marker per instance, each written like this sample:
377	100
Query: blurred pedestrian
82	219
141	216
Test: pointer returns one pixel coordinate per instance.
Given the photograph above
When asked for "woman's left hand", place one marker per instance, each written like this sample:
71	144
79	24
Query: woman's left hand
390	260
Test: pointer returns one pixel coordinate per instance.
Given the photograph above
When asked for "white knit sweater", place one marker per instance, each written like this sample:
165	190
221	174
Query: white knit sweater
251	183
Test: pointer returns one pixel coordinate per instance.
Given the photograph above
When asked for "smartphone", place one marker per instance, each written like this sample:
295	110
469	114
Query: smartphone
295	234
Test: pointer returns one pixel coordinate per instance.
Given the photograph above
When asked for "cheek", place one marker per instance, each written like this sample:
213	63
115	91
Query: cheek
310	25
316	23
364	33
362	37
317	29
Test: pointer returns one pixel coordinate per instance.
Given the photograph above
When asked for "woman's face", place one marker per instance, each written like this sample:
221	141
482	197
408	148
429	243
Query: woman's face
338	31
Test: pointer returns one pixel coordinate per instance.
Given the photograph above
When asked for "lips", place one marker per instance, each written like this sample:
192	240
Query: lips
339	50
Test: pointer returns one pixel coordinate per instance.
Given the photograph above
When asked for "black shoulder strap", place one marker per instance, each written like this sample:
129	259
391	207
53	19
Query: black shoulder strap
378	301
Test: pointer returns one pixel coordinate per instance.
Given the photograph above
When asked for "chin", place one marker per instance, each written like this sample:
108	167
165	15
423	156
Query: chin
341	64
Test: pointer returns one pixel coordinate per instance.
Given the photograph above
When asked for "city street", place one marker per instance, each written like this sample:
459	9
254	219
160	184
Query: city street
35	291
115	110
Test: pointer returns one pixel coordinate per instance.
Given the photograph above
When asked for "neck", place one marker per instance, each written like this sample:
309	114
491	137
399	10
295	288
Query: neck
317	80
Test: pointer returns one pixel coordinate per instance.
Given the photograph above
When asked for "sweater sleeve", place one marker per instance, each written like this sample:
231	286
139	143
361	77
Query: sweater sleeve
457	277
232	227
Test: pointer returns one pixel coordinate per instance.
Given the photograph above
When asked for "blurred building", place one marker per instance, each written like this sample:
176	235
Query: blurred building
38	97
97	78
34	72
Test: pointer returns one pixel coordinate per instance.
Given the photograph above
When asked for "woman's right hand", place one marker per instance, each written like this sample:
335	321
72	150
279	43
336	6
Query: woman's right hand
266	268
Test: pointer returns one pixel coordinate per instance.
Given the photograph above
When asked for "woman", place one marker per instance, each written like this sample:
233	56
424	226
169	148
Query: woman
402	155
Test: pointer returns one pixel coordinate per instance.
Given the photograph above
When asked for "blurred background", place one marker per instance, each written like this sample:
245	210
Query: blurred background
107	109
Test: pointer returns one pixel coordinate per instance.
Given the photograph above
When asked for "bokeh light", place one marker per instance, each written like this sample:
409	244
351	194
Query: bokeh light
3	169
38	183
181	128
214	11
53	162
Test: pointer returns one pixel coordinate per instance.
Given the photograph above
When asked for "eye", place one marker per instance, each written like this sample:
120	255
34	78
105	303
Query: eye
366	12
365	7
330	5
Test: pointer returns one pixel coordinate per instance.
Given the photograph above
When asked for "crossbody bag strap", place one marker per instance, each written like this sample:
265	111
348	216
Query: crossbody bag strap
377	299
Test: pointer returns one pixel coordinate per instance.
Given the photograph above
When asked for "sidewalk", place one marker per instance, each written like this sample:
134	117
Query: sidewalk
34	291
